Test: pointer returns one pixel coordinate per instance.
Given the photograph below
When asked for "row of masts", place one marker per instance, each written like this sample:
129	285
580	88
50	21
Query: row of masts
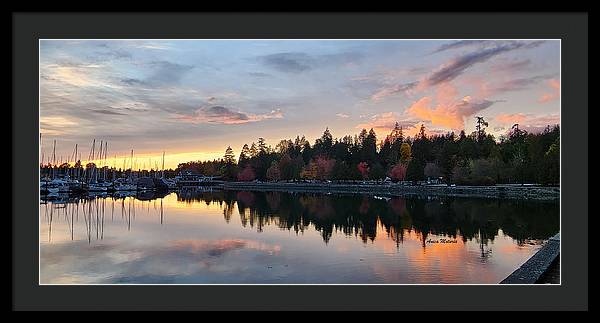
92	173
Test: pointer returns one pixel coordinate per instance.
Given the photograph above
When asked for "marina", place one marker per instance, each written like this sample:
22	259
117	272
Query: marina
208	235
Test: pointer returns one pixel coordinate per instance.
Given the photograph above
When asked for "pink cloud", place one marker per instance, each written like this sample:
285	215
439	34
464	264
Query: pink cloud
529	122
446	112
553	95
383	123
510	119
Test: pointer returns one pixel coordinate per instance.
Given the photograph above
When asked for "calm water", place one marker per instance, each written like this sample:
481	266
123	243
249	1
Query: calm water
251	237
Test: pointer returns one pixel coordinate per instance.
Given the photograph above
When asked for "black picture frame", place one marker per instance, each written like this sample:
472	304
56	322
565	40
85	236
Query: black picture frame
571	28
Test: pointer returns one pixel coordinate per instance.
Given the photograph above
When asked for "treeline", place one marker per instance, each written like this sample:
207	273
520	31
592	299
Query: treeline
474	159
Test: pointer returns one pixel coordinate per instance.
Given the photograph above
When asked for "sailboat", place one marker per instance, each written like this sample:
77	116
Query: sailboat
93	185
125	184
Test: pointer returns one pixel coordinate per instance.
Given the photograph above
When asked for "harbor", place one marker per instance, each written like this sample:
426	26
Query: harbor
71	177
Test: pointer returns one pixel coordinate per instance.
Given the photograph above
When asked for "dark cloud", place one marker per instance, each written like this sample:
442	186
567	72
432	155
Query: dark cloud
106	111
167	73
218	112
387	91
520	83
259	74
458	65
297	62
289	62
468	108
133	82
108	52
223	115
515	65
482	43
460	44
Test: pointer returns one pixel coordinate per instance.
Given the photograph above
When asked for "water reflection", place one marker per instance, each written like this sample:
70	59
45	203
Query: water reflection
196	236
358	216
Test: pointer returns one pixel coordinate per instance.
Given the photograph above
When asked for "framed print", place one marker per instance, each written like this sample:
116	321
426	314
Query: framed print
318	159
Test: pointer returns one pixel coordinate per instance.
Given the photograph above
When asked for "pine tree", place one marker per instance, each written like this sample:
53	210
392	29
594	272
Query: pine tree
229	157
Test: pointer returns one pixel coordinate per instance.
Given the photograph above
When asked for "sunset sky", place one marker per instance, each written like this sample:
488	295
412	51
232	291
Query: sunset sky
193	98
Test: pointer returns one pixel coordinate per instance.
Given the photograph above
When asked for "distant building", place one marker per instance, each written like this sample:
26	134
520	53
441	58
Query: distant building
190	177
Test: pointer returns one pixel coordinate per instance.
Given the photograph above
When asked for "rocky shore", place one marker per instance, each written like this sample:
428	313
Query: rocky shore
390	189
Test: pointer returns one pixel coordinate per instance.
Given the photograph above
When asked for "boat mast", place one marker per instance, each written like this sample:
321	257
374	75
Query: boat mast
42	154
162	175
53	158
105	164
99	161
75	169
91	158
114	168
131	168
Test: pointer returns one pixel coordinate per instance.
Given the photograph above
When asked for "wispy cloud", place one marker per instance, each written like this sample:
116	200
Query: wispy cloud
109	112
297	62
223	115
516	84
528	121
387	91
461	44
167	73
455	67
259	74
458	65
289	62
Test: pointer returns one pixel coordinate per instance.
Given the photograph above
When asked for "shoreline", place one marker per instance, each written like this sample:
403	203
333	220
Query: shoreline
538	266
542	193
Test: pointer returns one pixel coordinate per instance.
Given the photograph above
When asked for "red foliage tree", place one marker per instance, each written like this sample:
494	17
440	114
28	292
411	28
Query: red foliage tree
363	168
324	167
398	172
273	172
247	174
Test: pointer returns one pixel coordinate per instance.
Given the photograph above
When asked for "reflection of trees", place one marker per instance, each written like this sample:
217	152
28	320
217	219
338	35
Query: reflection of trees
359	215
353	215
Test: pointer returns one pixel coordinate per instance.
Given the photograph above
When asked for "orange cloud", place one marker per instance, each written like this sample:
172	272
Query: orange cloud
447	113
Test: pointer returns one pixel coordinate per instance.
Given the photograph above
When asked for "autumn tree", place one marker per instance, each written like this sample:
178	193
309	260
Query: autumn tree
398	172
363	168
273	172
324	167
247	174
405	153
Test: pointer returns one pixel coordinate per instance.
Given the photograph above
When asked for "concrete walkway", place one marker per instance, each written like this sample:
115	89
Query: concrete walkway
543	267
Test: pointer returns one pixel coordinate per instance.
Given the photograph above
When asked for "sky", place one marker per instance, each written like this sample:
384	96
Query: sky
193	98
